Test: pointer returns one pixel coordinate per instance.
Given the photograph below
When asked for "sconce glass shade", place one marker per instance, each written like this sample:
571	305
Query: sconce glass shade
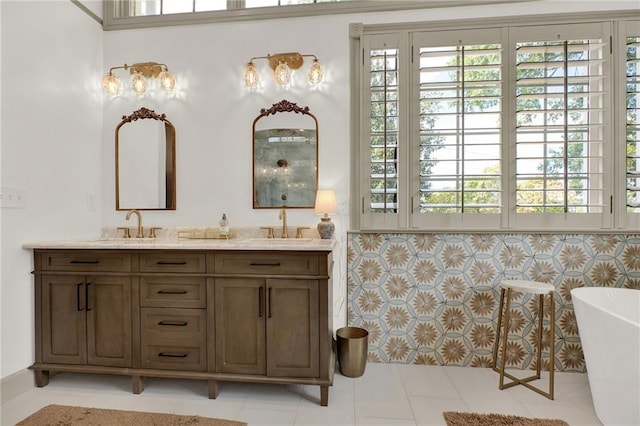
138	83
250	75
315	72
282	74
167	80
111	84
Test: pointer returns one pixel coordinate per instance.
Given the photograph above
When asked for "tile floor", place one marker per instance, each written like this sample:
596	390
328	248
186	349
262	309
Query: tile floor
387	394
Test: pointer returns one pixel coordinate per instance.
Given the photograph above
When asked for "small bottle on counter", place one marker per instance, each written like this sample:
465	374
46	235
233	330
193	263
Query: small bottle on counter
224	226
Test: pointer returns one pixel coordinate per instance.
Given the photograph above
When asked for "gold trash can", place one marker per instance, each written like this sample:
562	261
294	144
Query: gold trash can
352	350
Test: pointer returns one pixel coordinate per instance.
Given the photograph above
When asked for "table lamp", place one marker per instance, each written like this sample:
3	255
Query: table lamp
326	204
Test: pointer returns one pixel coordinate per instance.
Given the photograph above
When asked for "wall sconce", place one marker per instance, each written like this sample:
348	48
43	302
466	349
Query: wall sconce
326	204
282	64
140	72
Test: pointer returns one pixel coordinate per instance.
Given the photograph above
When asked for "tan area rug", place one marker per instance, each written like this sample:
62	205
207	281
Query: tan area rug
62	415
474	419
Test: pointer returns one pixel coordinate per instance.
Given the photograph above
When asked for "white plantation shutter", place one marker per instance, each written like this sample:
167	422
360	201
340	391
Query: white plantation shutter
632	114
381	130
503	127
459	111
561	99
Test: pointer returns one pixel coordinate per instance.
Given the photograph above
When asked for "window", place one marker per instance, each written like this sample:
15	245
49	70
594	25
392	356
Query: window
459	83
558	112
498	127
166	7
632	116
561	73
125	14
384	130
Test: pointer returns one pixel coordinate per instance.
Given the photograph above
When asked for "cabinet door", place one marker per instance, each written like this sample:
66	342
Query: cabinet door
293	328
108	321
240	325
63	320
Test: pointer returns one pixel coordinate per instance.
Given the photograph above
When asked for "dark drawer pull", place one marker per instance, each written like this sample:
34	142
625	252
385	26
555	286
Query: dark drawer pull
78	307
174	323
162	262
84	262
86	298
173	355
172	292
264	264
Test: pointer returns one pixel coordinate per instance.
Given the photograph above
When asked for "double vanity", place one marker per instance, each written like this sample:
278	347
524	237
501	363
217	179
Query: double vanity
254	310
187	304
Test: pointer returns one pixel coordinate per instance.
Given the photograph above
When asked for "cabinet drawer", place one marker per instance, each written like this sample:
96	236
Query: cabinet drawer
85	261
174	357
266	263
172	262
177	324
173	292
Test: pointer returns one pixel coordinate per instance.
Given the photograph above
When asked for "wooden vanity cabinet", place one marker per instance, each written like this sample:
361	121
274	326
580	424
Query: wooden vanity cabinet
83	313
88	320
173	311
273	317
267	327
237	315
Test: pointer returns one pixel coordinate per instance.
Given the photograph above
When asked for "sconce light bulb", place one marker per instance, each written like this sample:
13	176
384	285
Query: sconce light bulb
111	84
138	83
282	74
315	72
167	80
250	75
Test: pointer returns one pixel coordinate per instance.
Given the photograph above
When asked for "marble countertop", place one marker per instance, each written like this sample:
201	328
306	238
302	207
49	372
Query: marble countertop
172	239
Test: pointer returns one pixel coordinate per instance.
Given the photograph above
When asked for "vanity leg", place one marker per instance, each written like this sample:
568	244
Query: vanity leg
213	389
324	396
42	378
137	384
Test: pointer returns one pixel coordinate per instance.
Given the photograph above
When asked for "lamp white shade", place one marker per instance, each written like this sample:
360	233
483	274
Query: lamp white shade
325	205
326	202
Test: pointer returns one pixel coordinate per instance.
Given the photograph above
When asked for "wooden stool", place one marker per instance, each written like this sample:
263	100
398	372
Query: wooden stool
531	287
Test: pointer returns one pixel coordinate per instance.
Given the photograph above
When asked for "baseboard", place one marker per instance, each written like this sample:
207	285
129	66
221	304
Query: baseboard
16	384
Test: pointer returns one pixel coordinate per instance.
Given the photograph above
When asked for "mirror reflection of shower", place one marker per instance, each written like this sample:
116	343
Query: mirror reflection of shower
285	153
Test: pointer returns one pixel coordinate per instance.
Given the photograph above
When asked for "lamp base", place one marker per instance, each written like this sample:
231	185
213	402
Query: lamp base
326	228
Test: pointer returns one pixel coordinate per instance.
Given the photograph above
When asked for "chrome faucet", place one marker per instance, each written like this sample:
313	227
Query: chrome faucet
283	216
139	234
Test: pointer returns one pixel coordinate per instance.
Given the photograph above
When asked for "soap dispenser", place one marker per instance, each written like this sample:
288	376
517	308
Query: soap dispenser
224	226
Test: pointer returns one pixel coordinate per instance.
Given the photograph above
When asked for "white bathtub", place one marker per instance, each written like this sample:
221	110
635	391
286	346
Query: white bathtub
609	327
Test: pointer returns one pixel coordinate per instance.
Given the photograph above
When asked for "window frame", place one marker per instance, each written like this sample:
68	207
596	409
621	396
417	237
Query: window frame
614	214
626	28
112	21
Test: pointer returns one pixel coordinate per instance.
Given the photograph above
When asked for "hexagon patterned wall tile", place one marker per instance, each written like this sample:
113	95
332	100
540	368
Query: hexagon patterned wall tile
432	298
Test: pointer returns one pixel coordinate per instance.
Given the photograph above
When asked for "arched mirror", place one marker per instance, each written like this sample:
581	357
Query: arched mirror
285	157
145	162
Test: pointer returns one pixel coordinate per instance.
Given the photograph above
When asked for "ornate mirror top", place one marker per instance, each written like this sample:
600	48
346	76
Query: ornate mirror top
283	106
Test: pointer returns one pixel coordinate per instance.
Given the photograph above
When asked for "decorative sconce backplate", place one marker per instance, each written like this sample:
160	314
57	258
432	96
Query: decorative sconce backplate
282	64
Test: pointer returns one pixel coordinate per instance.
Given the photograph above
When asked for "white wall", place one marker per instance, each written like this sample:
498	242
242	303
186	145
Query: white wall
58	137
51	146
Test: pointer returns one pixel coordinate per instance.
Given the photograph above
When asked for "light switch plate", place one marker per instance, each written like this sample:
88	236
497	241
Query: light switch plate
13	197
